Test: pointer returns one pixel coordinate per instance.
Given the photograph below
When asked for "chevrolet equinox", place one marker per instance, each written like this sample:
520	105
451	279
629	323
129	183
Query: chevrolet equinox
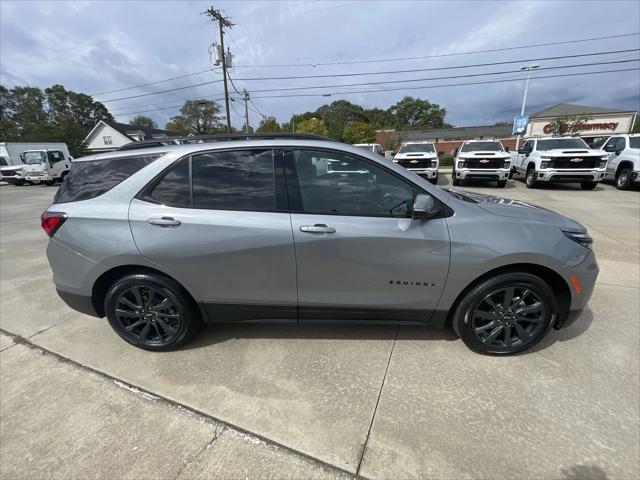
299	230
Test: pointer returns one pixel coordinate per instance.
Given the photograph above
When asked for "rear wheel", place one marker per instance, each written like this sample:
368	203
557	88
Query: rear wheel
505	314
623	179
588	185
151	311
531	181
502	183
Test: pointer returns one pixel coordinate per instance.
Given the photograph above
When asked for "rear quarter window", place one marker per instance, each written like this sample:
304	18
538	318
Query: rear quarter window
88	180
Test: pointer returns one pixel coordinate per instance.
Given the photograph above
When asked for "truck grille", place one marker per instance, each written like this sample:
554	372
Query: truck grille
418	162
483	163
574	162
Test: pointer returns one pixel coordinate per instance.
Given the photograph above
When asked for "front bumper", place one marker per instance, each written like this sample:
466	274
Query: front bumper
570	175
482	173
581	279
425	172
38	178
13	180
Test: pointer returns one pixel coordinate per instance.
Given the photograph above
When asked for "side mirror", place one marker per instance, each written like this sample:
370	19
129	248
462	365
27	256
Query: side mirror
610	148
506	149
521	151
425	207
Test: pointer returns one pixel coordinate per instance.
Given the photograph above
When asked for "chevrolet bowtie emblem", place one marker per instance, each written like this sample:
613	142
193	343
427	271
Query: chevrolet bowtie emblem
413	161
484	161
575	160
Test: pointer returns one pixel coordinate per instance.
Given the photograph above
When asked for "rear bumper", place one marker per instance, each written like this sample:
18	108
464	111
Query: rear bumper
570	176
80	303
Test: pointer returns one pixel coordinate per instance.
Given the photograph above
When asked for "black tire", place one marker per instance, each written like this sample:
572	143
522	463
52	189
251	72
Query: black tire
510	174
484	329
455	181
530	179
623	179
49	182
502	183
155	328
434	180
588	185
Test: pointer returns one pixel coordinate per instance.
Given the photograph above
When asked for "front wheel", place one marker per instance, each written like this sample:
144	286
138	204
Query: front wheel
151	311
505	314
434	180
502	183
623	179
531	181
456	182
588	185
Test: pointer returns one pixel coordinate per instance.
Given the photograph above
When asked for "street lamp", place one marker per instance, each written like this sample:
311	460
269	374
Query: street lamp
528	68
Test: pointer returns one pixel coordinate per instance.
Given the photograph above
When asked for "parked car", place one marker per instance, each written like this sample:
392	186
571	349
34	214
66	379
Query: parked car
481	160
623	159
420	158
559	160
163	239
371	147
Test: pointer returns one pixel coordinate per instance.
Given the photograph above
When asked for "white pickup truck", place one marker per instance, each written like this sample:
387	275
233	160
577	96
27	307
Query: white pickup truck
623	159
560	160
43	163
481	160
420	158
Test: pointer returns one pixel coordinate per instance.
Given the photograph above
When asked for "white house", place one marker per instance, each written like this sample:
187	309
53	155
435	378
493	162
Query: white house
107	136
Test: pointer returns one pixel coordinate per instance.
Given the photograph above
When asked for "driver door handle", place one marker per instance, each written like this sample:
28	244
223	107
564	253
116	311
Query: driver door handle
317	228
164	222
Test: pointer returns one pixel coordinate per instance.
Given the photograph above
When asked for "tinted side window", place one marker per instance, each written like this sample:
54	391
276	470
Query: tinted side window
173	188
90	179
55	156
240	180
620	144
335	183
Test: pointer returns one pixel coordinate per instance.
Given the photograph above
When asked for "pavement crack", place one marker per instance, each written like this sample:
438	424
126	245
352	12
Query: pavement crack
375	410
217	433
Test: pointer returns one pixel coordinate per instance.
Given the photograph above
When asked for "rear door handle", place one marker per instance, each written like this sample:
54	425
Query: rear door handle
317	228
164	222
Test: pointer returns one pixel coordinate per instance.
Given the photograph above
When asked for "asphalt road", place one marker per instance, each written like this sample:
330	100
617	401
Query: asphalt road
380	402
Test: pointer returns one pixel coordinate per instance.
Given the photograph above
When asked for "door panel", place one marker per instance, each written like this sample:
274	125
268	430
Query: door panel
226	257
370	264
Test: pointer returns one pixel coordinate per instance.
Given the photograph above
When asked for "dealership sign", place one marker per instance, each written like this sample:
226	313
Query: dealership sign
548	128
520	124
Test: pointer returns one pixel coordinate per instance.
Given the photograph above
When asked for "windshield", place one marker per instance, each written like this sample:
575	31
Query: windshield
417	148
552	144
482	147
33	158
634	142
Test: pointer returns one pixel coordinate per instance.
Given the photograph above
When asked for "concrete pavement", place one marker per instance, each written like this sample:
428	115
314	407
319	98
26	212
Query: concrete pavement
383	402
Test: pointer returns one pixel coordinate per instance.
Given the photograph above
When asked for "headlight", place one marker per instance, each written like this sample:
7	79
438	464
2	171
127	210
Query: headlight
507	164
461	164
395	161
544	164
603	161
434	164
582	238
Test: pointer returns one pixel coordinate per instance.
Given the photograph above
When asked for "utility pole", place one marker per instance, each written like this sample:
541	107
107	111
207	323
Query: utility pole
245	97
528	68
215	15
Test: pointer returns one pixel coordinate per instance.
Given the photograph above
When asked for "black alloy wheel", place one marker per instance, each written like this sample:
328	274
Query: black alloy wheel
506	314
151	311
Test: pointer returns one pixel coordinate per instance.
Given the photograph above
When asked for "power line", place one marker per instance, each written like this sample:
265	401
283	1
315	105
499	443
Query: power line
161	91
348	62
160	108
413	70
402	59
448	77
423	87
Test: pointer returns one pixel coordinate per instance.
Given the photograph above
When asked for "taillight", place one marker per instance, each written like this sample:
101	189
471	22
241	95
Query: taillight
52	221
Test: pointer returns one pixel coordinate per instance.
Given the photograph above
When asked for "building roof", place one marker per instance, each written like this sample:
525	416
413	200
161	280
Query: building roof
148	132
485	131
569	109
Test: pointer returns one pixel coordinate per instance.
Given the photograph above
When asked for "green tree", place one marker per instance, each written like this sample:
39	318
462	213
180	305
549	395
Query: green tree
359	132
416	114
197	117
338	114
269	124
143	121
312	125
379	117
568	125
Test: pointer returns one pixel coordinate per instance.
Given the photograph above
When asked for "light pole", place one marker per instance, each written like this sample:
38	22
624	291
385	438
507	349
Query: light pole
528	68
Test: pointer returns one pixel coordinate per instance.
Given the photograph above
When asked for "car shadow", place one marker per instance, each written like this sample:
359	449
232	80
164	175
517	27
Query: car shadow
577	328
213	334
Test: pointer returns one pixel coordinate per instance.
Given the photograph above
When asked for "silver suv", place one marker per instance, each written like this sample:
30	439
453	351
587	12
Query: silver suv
160	240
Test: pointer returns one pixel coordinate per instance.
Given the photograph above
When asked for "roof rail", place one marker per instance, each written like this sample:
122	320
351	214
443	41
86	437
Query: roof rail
160	142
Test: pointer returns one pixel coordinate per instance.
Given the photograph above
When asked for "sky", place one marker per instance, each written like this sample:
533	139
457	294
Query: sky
96	47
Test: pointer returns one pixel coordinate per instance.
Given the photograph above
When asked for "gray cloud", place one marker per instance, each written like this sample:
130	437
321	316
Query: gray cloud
98	46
